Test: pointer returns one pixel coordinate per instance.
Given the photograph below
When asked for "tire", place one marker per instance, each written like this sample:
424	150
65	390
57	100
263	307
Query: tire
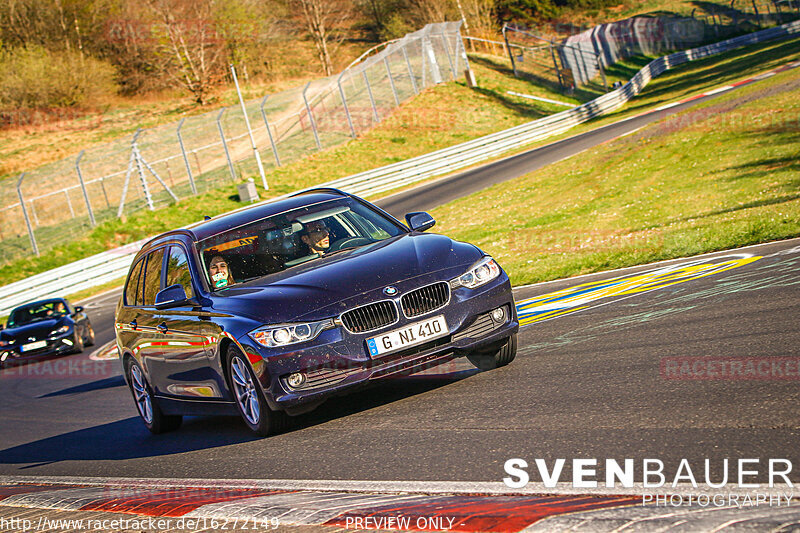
149	411
77	342
501	357
249	399
89	330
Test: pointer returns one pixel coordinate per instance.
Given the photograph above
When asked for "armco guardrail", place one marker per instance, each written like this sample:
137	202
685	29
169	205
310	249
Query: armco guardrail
113	264
69	279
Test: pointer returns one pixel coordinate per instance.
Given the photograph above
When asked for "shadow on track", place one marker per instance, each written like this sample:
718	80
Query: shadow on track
107	383
129	439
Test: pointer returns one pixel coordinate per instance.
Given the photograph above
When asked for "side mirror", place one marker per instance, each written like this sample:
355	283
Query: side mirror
1	326
419	221
172	296
79	309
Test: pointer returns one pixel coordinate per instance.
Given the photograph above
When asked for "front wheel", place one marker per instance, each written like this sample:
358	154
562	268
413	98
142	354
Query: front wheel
250	401
152	416
501	357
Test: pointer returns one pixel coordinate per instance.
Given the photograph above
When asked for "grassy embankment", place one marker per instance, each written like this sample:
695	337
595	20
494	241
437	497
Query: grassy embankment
721	175
442	116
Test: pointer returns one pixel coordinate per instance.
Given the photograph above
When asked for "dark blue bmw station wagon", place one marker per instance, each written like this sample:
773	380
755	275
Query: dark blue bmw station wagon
271	309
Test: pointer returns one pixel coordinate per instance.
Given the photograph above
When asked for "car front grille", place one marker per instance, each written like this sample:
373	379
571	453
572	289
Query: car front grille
370	317
425	299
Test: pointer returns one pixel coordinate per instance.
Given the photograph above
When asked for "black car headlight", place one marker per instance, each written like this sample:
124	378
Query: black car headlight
479	274
59	331
285	334
3	343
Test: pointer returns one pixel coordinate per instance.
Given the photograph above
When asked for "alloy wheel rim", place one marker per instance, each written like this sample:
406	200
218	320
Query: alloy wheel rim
245	389
141	395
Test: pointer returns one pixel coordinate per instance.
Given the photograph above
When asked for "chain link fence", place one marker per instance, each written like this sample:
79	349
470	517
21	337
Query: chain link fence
582	58
62	201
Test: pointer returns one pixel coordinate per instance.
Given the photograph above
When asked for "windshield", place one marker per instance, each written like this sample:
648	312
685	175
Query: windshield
36	312
289	239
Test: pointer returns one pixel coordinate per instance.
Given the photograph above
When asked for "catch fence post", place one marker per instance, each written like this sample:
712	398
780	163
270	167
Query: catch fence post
185	158
225	144
25	215
346	109
311	117
249	130
510	53
83	188
391	82
410	71
371	98
269	132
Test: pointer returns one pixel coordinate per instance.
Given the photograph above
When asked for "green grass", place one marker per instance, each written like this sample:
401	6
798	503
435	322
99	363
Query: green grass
442	116
722	175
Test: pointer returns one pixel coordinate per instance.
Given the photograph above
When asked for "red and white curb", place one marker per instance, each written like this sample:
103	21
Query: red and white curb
405	507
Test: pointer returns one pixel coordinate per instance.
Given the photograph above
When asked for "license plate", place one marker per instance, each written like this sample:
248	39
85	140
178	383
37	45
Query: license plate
410	335
33	346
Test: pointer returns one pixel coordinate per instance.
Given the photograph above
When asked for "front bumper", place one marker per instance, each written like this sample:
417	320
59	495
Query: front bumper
338	361
55	346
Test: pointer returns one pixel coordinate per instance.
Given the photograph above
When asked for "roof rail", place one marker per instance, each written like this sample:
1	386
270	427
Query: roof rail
321	189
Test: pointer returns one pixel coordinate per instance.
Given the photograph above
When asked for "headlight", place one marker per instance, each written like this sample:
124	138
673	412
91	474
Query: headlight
283	334
481	273
6	343
59	331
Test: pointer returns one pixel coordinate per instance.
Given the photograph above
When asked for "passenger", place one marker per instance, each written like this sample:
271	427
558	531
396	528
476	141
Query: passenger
317	237
219	273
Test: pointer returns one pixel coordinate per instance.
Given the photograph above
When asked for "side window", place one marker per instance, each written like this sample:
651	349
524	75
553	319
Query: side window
152	276
178	270
133	291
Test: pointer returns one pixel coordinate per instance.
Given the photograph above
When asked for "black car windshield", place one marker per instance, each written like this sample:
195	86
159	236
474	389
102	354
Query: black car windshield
285	240
36	312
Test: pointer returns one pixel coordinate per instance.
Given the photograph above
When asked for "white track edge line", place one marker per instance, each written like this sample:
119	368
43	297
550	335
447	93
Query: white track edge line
405	487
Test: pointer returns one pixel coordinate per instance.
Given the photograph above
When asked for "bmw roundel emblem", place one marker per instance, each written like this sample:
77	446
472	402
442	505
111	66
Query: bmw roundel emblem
390	291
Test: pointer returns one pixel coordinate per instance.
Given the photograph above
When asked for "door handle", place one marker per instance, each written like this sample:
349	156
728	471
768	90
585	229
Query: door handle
133	324
162	327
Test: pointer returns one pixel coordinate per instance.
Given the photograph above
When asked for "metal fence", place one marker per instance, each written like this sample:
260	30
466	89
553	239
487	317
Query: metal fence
581	58
62	201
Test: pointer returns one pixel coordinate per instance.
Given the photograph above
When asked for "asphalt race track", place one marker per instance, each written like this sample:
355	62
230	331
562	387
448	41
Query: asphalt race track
606	370
597	380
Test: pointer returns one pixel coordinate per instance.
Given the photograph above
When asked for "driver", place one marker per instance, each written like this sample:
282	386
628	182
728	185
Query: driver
317	237
219	273
57	310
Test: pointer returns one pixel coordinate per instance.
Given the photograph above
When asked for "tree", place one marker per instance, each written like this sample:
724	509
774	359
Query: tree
325	20
427	11
189	42
526	11
480	17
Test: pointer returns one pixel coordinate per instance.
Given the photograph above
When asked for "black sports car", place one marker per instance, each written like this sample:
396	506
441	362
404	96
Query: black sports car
44	328
272	309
